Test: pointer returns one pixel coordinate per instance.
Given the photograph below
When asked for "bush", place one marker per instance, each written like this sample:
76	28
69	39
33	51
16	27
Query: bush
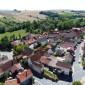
2	83
43	45
55	53
33	80
24	63
76	83
58	42
3	77
45	49
50	75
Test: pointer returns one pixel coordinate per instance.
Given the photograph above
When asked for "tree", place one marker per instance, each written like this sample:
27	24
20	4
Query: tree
43	45
25	63
4	77
55	53
51	27
18	49
81	35
5	44
45	49
76	83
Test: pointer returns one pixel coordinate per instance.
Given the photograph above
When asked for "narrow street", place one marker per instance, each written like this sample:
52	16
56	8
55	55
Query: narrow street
78	71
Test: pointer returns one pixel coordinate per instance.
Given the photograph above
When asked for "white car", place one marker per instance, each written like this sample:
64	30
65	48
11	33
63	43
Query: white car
79	61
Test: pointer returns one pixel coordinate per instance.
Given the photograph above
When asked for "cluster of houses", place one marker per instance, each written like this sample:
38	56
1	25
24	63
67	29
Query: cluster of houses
40	53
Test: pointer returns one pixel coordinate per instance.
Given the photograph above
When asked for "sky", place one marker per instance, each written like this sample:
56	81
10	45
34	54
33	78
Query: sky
42	4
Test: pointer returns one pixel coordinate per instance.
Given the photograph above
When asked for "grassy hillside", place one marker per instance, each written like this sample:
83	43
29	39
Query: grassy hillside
16	33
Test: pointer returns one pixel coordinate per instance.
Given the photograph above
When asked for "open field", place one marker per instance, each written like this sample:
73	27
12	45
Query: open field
23	15
16	33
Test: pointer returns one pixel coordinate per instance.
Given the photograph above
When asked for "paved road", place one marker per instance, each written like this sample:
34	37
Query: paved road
49	82
78	71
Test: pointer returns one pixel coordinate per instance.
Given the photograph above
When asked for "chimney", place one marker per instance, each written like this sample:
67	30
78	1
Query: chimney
26	73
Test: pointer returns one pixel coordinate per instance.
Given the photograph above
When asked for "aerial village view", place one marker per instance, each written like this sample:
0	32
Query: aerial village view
42	44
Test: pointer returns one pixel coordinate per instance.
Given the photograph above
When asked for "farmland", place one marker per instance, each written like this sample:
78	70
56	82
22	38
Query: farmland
23	15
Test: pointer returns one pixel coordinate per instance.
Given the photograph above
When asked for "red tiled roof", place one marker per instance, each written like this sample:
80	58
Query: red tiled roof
36	56
27	51
68	44
29	41
69	55
44	60
75	28
24	75
49	46
14	43
15	67
82	28
19	56
11	82
5	67
63	65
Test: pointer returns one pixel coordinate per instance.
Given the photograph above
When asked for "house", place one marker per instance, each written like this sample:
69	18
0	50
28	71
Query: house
48	46
45	60
30	41
70	35
3	59
83	30
66	45
16	42
78	29
68	57
53	35
42	40
63	67
5	68
25	77
16	68
60	51
27	52
33	61
38	67
27	37
34	45
52	50
11	82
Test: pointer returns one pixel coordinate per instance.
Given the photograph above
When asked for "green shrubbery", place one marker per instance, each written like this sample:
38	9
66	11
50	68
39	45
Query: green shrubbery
55	53
76	83
50	75
83	63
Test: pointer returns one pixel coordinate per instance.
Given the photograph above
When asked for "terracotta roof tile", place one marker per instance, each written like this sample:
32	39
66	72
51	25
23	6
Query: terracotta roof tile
5	67
45	60
11	82
24	75
29	41
16	67
27	51
36	56
63	65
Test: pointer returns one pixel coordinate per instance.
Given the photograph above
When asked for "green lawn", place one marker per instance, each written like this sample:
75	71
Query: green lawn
16	33
67	13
